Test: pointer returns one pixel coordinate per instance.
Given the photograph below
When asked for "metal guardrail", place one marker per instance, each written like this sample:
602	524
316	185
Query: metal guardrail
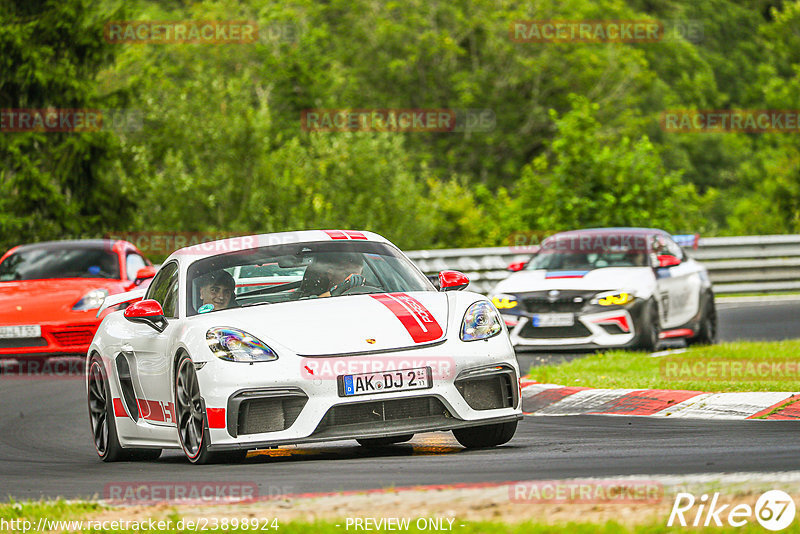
760	263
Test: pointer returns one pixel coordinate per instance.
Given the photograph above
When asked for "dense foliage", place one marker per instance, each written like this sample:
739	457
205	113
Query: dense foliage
576	142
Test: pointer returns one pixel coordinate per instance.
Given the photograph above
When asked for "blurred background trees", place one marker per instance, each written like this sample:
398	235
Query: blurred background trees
577	140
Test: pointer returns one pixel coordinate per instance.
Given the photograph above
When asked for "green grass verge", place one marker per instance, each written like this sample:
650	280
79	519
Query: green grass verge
698	369
56	510
60	510
755	294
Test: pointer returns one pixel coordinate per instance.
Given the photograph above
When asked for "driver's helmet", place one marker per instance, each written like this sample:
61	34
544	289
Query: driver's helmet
317	278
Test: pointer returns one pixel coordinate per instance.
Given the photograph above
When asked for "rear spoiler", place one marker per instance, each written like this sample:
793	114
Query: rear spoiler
113	300
687	240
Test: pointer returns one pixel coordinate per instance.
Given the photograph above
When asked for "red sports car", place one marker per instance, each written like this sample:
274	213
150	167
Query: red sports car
50	293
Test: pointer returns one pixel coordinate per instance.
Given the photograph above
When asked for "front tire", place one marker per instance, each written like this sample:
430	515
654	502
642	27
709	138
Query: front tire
192	420
707	333
478	437
103	422
649	329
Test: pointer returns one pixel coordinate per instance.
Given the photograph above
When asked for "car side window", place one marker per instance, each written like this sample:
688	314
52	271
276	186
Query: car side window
171	300
656	249
674	249
164	288
133	262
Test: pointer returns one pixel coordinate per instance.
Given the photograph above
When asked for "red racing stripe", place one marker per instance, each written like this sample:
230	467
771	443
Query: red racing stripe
619	320
216	417
335	234
678	332
645	402
151	410
119	408
355	235
419	322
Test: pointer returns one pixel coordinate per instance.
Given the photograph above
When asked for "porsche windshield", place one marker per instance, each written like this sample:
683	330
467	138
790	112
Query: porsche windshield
299	271
585	252
45	262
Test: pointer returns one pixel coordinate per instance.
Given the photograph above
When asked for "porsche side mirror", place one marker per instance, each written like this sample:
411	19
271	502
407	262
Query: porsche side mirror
148	312
668	260
144	273
452	281
517	266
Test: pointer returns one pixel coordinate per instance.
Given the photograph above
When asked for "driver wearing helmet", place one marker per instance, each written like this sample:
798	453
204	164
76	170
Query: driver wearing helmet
333	274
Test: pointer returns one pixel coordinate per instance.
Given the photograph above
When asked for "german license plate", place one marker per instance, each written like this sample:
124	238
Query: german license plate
7	332
553	319
385	382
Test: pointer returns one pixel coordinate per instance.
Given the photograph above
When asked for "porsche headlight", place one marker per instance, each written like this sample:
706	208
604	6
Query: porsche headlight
236	345
91	300
480	322
613	298
504	302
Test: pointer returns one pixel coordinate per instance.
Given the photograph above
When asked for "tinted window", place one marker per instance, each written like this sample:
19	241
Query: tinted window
164	289
585	252
60	262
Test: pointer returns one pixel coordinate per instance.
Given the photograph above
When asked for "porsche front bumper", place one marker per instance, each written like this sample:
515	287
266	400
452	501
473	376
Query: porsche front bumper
277	403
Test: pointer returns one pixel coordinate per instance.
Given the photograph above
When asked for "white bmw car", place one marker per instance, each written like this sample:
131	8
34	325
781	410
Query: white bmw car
355	344
607	287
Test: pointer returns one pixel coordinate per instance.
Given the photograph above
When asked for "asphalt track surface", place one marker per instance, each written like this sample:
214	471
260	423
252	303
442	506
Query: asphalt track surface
46	451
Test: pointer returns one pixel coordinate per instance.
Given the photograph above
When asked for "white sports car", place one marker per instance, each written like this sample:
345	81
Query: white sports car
355	344
607	287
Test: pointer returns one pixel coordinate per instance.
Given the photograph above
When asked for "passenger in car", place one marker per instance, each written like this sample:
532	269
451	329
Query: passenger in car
217	291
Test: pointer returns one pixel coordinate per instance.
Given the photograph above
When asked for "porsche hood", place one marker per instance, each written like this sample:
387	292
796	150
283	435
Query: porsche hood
343	325
46	300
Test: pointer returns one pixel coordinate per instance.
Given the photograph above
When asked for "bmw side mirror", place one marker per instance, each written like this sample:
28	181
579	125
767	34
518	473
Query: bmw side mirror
517	266
148	312
452	281
668	260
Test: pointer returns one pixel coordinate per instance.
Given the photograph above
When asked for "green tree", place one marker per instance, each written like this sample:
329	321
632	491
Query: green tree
55	184
592	177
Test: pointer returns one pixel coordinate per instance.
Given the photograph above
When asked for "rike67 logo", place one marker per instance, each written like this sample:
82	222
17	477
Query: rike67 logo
774	510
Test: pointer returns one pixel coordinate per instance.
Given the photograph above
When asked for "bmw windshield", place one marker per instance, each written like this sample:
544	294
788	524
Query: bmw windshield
299	271
586	252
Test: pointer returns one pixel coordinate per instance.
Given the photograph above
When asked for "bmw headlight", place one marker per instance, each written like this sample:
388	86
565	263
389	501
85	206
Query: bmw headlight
613	298
91	300
236	345
480	322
